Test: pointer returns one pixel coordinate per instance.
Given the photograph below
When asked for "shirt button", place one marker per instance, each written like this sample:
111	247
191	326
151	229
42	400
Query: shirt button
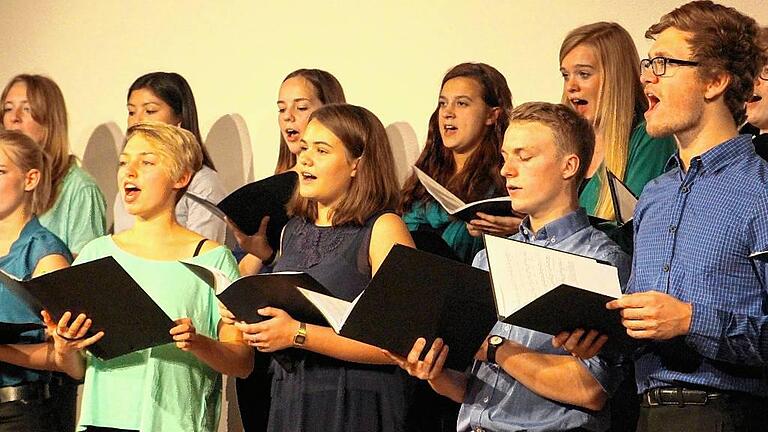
486	399
665	268
672	229
684	189
552	240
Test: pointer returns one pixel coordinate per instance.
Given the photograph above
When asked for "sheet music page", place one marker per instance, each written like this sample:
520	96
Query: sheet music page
333	309
523	272
626	199
213	276
449	201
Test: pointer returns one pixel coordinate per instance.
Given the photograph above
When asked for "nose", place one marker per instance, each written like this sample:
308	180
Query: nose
647	76
508	169
304	158
447	110
571	85
287	115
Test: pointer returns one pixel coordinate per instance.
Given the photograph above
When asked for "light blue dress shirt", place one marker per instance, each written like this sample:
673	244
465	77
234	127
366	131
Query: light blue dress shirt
496	401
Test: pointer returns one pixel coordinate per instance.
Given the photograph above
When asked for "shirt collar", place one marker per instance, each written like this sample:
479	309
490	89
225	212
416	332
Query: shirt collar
557	230
718	156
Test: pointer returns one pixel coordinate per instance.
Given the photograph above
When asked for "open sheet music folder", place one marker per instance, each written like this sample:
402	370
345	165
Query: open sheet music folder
248	205
101	289
624	200
551	291
499	206
413	294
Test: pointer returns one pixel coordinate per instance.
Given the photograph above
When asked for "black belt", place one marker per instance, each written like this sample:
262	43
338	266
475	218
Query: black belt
26	392
680	396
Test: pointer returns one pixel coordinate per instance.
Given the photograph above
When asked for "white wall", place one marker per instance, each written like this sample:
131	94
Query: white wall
389	55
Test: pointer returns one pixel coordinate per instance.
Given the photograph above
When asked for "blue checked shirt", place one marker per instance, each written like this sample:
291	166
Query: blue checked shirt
694	232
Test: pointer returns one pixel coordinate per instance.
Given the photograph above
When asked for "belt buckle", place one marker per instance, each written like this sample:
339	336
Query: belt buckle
652	401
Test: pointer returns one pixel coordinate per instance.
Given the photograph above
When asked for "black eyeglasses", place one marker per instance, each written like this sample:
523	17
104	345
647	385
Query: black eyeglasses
659	64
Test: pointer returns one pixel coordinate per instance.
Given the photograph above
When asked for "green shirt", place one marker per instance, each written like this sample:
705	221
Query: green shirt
78	215
647	158
161	388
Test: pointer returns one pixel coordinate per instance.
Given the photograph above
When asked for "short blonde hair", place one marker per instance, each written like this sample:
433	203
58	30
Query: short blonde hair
177	147
27	155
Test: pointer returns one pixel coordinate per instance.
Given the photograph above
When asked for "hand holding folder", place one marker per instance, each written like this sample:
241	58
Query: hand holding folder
413	294
248	206
104	292
554	291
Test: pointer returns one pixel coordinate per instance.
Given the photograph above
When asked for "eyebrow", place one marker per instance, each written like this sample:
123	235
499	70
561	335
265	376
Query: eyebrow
144	104
457	97
295	100
140	154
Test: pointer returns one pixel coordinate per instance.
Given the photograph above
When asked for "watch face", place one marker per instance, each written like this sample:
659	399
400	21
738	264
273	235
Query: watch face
495	340
299	339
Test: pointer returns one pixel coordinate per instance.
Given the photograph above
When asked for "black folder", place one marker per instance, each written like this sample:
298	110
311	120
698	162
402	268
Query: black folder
418	294
560	306
413	294
248	205
567	308
11	332
101	289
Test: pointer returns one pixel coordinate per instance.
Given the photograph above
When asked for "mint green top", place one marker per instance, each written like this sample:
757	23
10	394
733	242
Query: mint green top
78	215
161	388
647	159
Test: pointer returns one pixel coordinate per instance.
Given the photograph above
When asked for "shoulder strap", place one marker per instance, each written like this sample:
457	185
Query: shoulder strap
199	247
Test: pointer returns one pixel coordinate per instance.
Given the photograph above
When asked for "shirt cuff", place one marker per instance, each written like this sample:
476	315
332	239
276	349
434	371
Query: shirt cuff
705	331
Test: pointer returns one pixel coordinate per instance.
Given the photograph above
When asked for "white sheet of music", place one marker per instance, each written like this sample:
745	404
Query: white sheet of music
523	272
449	201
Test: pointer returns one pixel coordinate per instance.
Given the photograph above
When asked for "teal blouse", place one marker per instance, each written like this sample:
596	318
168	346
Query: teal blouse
430	216
647	158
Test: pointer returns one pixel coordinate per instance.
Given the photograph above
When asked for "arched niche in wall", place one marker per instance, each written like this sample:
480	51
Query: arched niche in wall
229	145
100	160
405	149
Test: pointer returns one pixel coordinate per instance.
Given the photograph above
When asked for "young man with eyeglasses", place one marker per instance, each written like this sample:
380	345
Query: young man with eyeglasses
757	109
695	295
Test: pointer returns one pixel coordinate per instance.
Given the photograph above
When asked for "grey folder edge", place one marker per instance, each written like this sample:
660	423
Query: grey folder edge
413	294
101	289
552	291
248	205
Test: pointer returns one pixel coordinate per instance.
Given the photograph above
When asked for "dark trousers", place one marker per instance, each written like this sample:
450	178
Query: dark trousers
728	413
64	401
36	416
254	395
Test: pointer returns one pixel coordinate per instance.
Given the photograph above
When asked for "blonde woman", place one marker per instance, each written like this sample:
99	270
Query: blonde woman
26	250
601	81
169	387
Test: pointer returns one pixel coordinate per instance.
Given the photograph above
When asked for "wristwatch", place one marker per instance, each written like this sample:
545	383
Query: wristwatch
301	335
494	342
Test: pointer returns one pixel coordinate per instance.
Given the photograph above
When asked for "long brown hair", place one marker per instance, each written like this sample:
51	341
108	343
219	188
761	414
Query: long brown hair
620	100
480	174
48	109
374	186
328	91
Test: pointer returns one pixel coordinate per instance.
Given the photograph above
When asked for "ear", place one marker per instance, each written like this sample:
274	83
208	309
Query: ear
571	164
717	85
31	180
183	181
493	116
354	167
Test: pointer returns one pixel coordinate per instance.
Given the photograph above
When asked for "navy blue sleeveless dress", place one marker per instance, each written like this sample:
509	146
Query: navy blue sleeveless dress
321	393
